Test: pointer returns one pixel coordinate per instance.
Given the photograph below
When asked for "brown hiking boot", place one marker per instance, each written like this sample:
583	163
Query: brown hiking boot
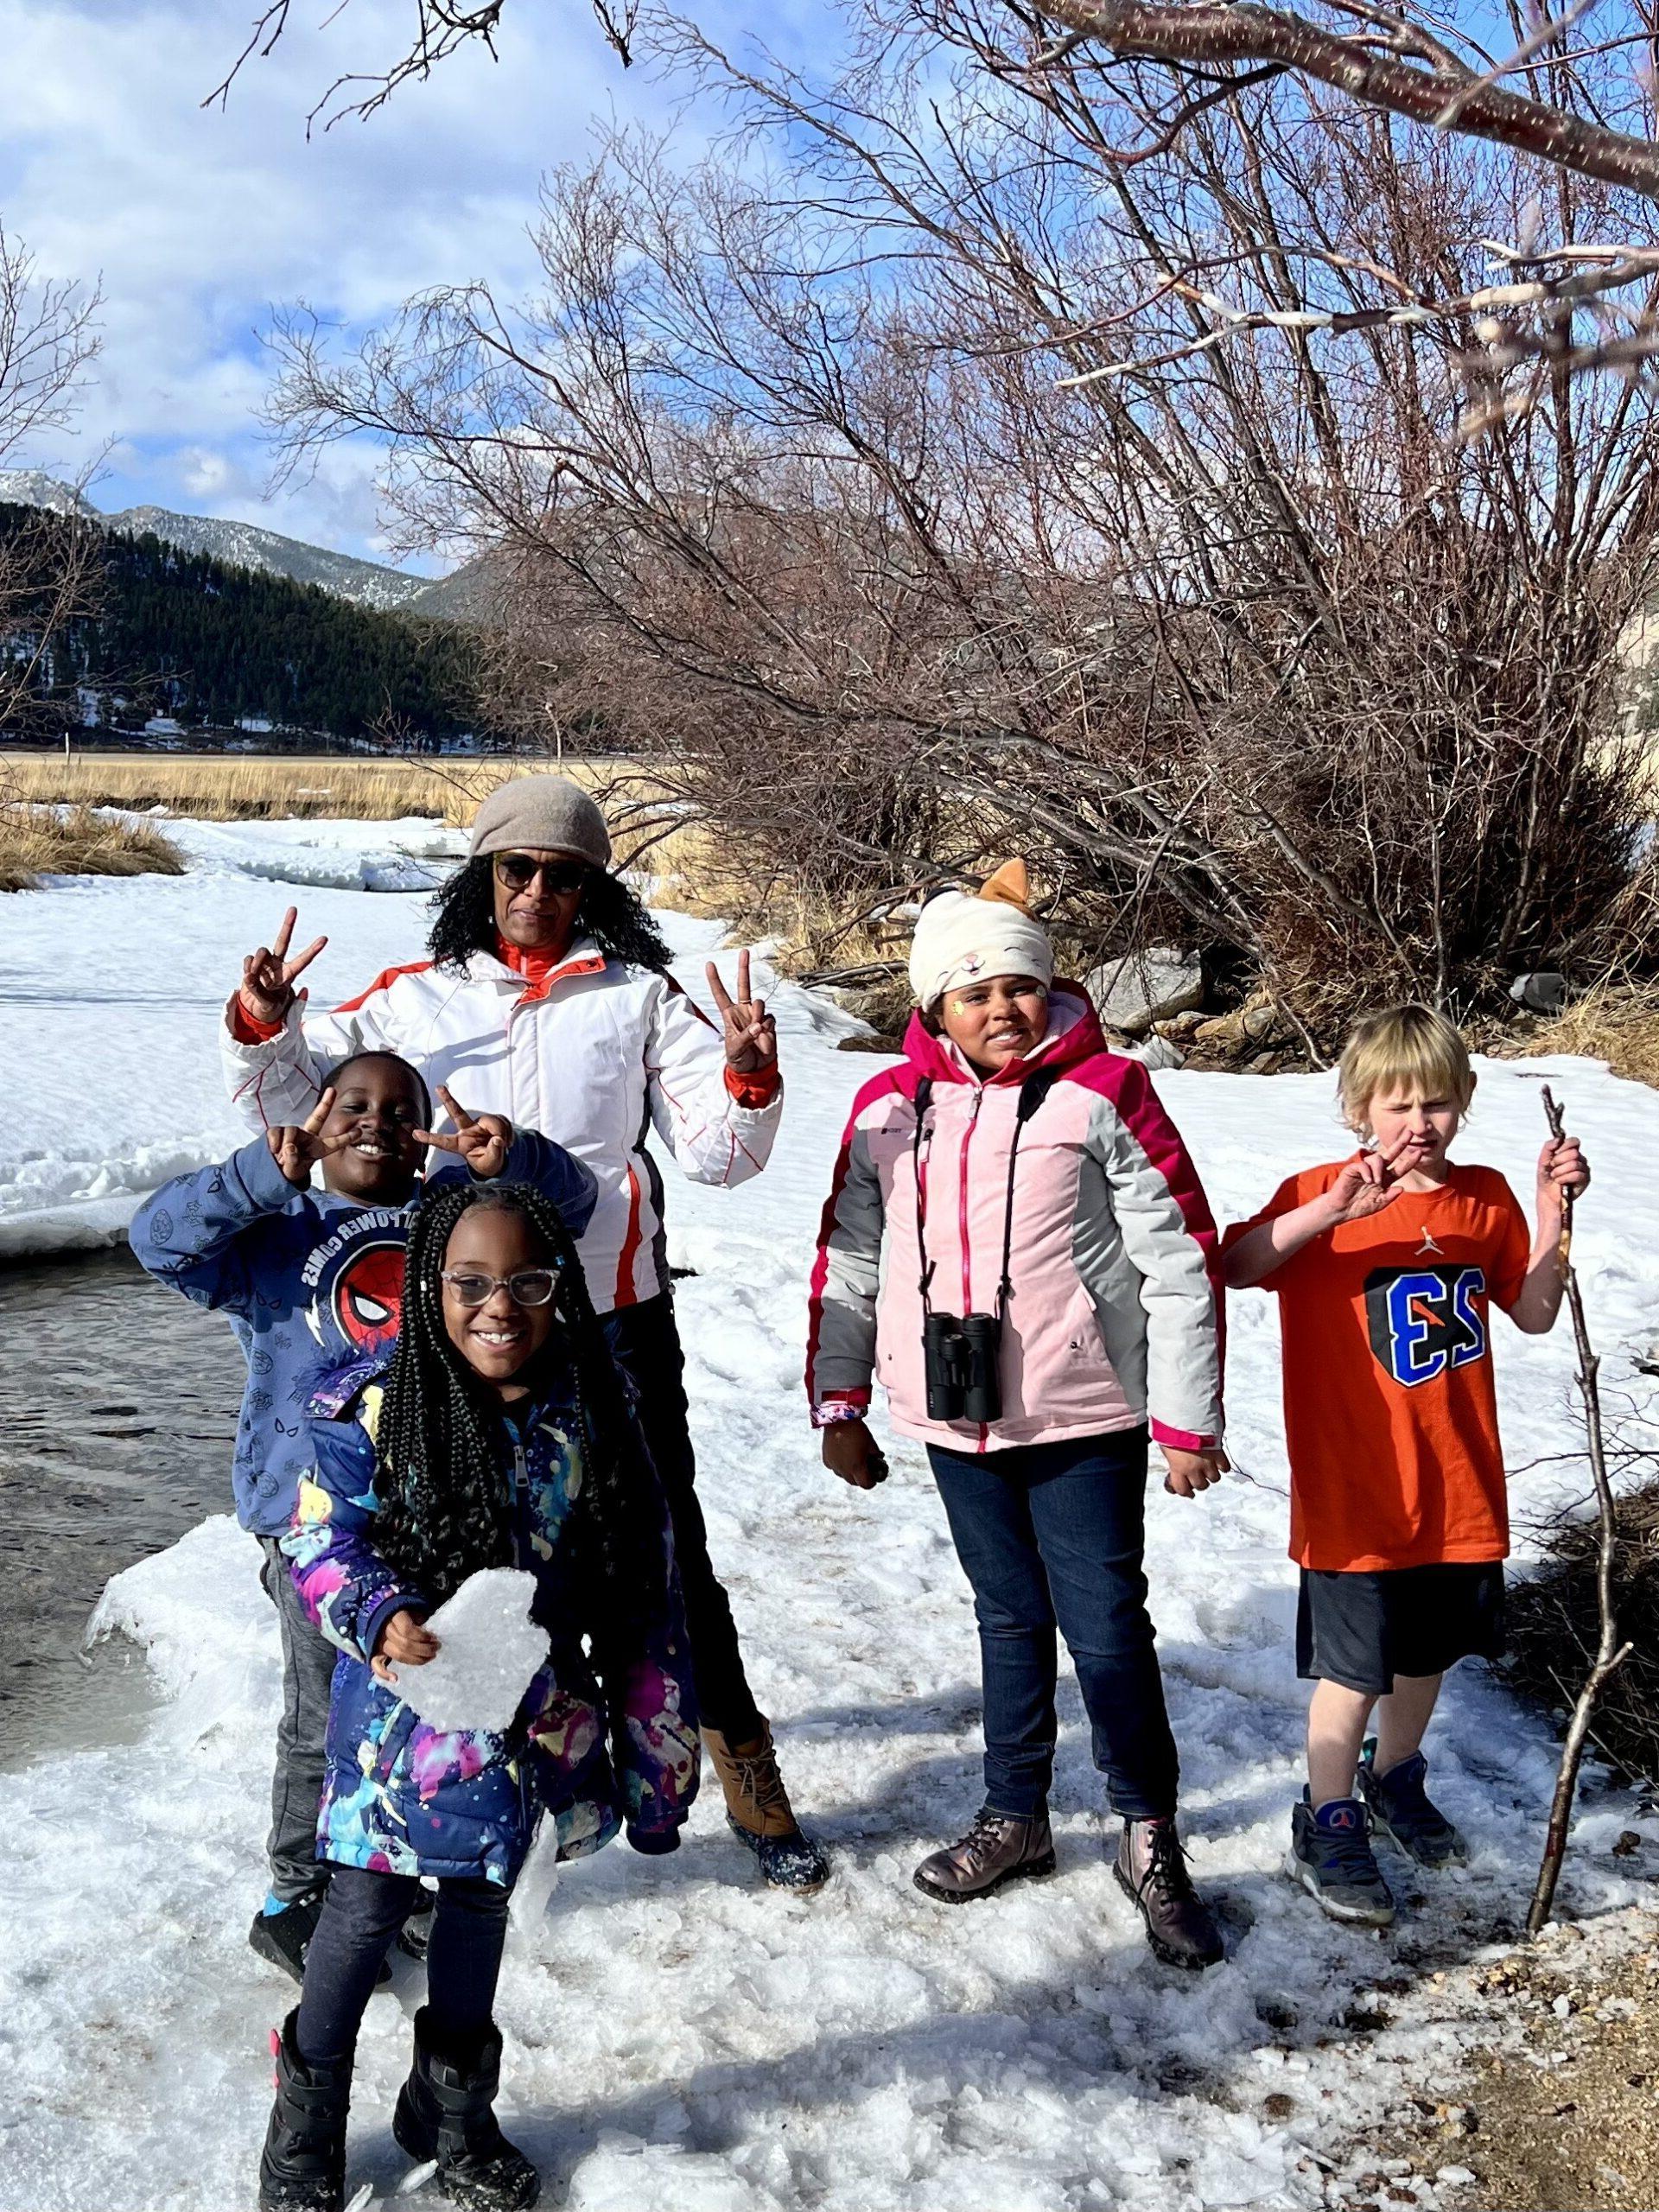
1151	1870
999	1847
759	1813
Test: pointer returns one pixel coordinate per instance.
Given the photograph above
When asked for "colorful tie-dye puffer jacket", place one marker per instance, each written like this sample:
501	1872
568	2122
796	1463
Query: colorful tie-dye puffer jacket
405	1798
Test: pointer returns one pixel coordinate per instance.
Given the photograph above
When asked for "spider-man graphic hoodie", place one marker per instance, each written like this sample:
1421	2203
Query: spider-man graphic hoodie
311	1281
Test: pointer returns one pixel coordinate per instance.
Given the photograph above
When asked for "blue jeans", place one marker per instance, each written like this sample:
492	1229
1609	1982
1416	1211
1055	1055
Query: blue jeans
360	1915
1053	1535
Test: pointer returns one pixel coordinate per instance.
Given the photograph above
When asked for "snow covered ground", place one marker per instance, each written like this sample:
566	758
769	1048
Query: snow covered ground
674	2035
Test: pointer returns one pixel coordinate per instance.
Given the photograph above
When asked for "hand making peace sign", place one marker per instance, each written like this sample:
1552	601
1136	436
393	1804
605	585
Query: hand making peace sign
751	1033
1367	1184
268	976
481	1139
296	1151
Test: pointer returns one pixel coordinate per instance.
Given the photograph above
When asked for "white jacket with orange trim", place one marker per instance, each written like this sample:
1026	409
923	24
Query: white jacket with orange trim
592	1055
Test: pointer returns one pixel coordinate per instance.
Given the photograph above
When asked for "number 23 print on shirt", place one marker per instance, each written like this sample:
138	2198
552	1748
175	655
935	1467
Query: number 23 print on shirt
1424	1320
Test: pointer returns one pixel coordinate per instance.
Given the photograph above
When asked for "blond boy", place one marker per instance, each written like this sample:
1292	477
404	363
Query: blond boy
1385	1266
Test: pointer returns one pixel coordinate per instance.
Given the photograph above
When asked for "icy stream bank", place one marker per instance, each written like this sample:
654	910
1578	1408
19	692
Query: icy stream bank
680	2036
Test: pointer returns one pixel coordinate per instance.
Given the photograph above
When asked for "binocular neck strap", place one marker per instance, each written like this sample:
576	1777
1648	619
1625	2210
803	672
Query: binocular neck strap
1033	1092
924	1099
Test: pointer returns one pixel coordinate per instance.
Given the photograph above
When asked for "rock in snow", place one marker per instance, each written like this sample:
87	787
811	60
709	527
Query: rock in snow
489	1650
1144	986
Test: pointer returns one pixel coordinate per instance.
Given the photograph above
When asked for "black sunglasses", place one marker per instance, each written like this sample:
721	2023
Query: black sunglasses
518	871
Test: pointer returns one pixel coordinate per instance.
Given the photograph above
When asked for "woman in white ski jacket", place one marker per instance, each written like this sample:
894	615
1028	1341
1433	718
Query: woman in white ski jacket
545	997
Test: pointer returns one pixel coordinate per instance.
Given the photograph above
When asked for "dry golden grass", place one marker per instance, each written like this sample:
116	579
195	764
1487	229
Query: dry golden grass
36	840
243	788
1617	1022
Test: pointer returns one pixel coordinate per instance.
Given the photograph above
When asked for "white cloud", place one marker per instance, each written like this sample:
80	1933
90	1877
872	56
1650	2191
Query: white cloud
199	222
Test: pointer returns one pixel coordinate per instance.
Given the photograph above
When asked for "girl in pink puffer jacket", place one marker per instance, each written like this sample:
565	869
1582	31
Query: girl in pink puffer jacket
1015	1240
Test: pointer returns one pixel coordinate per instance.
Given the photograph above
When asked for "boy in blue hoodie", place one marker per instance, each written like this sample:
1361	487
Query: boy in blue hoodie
312	1280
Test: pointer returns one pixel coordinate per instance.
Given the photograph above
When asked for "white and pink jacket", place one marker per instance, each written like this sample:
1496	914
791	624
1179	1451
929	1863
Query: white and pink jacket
1114	1314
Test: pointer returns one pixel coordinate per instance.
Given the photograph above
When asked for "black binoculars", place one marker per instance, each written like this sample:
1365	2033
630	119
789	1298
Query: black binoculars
959	1359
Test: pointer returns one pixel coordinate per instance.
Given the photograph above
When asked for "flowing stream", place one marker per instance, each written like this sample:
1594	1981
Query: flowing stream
118	1419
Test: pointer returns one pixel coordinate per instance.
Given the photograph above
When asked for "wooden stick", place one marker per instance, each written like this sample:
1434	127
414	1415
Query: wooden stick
1611	1654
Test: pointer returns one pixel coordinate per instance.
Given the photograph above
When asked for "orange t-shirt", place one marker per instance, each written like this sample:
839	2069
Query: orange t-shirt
1390	1416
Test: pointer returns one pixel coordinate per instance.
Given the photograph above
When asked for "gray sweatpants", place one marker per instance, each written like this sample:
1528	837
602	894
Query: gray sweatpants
297	1787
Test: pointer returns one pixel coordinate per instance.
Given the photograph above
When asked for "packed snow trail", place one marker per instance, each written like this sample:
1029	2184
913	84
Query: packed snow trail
677	2035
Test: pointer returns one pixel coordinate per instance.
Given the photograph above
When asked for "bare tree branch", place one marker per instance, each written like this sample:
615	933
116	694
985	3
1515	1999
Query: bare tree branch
1233	32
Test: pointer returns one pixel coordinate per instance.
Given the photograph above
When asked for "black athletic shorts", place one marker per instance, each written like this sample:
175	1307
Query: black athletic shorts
1362	1629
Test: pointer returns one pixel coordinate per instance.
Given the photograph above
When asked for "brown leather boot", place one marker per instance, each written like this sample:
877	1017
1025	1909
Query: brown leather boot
999	1847
1151	1870
759	1813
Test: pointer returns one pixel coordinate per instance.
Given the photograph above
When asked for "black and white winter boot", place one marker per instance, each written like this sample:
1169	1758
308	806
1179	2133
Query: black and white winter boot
303	2167
446	2111
284	1938
415	1936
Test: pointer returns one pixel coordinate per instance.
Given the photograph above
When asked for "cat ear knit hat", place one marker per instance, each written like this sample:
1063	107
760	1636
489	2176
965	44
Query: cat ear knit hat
965	936
541	814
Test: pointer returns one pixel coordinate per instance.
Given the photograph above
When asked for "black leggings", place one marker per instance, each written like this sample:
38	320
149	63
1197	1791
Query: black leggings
361	1914
645	1344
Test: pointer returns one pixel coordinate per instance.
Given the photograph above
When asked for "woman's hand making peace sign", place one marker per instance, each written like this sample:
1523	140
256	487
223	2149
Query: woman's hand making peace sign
268	976
483	1141
751	1033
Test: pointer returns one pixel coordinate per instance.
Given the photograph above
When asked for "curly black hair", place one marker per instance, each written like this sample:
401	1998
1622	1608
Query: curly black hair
616	918
444	1484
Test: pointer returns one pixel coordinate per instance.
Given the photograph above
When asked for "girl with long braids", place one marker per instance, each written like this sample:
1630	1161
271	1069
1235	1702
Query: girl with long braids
495	1434
545	997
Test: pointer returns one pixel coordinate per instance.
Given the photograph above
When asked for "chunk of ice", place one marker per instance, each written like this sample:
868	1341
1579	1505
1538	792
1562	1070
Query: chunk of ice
489	1652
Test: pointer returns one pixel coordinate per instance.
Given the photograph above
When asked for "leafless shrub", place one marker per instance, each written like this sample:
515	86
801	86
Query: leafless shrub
806	479
1554	1629
47	563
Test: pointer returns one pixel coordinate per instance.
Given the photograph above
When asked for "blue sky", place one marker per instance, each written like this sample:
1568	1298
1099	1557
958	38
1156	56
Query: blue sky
197	222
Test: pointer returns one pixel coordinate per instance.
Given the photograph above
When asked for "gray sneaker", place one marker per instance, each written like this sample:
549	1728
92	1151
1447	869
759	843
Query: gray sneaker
1331	1856
999	1847
1403	1811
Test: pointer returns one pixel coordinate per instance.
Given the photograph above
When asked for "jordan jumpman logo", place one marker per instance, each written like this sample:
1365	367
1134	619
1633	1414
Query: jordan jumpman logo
1429	1245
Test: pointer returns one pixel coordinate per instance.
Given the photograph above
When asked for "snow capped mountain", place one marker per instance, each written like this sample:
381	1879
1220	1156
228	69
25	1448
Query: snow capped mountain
33	488
245	545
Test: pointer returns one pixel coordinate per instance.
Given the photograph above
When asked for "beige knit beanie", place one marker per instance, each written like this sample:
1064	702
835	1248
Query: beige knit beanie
542	814
967	937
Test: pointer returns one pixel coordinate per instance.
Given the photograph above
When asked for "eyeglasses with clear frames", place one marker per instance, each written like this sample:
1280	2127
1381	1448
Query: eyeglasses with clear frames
529	1286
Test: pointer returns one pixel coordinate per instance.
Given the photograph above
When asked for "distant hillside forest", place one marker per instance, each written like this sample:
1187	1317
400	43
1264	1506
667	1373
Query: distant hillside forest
173	633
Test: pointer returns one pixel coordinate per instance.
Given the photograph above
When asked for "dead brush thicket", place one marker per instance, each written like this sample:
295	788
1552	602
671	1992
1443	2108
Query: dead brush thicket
1258	659
1553	1630
37	841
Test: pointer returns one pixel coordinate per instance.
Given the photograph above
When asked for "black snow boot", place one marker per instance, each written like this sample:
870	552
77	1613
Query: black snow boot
284	1938
415	1936
446	2111
302	2167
